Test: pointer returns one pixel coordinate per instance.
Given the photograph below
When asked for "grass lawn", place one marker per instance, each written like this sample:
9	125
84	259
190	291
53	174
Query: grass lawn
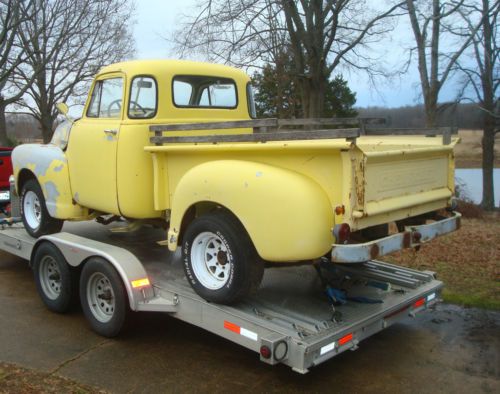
467	261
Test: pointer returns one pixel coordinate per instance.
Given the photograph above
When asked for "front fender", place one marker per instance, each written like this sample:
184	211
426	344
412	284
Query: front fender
49	165
287	215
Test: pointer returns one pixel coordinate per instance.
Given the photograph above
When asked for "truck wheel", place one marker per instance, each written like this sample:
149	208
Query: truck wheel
36	218
103	297
220	261
55	281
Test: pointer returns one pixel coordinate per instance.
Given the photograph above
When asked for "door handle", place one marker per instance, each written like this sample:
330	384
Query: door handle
111	131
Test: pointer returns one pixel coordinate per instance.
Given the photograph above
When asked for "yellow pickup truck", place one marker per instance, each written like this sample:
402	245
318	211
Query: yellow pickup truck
175	144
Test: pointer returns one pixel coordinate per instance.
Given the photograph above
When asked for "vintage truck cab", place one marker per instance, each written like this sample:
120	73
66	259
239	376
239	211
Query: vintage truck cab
174	143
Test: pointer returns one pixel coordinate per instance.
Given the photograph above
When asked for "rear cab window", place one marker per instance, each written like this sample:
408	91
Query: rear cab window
194	91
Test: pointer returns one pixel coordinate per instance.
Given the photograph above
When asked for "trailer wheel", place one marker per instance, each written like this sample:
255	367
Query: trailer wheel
36	218
55	281
220	261
103	297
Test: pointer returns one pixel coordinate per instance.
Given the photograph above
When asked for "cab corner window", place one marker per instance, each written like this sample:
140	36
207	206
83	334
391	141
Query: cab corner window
197	91
143	98
106	99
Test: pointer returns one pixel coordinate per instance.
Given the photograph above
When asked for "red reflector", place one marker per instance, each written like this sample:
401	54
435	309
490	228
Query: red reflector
419	303
345	339
231	327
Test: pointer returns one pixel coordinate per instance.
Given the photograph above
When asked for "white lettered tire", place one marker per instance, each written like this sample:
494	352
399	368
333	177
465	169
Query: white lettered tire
36	218
219	259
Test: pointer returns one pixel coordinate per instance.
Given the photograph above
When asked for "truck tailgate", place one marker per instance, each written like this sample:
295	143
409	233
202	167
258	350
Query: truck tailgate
392	181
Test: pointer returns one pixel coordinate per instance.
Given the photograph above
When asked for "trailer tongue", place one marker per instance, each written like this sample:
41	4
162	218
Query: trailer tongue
290	320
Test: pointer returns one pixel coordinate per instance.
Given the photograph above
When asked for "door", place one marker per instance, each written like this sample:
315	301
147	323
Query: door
92	147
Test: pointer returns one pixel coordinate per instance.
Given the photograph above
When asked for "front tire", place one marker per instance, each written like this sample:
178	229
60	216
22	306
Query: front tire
220	261
36	218
103	297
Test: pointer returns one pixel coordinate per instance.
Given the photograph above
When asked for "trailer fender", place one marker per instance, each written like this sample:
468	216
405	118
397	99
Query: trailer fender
76	250
287	215
48	165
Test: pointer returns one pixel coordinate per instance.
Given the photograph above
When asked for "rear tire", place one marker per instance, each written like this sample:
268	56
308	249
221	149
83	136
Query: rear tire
220	261
55	281
103	297
36	218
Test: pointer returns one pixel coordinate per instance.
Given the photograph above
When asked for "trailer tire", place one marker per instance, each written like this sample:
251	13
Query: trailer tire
103	297
55	281
34	213
220	261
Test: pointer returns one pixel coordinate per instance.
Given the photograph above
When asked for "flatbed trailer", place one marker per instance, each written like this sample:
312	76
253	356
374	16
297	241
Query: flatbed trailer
289	320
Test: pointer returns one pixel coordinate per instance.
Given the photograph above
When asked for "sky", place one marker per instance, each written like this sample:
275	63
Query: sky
156	20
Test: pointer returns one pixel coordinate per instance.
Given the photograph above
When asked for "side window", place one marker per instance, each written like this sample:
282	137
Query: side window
204	92
106	99
143	95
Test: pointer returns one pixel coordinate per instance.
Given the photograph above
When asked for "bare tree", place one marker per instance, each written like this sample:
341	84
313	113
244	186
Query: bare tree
13	13
428	22
322	36
482	78
78	37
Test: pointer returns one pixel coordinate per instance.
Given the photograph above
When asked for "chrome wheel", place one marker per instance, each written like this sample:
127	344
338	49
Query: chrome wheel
211	260
100	297
32	209
50	277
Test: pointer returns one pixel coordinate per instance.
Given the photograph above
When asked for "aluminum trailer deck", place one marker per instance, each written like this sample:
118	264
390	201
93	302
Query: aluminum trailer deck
288	321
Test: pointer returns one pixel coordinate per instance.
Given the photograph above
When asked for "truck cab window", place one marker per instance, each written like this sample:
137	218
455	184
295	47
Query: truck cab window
143	97
197	91
106	99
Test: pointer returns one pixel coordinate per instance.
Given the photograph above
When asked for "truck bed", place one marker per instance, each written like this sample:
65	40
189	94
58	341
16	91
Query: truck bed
289	310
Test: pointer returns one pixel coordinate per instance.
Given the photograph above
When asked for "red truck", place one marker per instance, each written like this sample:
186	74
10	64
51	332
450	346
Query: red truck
5	172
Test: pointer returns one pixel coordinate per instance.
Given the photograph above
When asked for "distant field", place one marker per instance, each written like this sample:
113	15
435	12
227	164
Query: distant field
468	153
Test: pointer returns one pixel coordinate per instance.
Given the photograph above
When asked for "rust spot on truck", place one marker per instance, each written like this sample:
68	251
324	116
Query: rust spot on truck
406	239
374	251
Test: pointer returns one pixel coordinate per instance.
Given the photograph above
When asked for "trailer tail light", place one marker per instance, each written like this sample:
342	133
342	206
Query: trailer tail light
240	330
419	303
265	352
346	339
137	284
431	296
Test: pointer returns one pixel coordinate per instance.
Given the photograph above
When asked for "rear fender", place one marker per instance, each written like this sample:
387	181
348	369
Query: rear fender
287	215
48	164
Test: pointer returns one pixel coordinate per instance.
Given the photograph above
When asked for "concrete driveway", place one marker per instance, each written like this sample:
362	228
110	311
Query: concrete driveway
449	349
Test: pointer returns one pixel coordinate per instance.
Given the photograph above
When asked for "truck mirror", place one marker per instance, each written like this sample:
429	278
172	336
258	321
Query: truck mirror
62	108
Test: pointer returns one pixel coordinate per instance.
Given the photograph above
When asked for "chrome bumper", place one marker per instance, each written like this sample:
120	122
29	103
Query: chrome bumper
412	236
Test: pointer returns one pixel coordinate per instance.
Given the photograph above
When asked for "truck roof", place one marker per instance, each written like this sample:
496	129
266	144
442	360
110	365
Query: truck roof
133	67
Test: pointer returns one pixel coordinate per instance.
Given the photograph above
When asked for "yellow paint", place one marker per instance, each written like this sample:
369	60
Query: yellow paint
287	215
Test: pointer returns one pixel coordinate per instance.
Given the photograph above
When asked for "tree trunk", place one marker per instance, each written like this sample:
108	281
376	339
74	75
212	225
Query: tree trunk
47	124
4	141
488	142
313	97
430	104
